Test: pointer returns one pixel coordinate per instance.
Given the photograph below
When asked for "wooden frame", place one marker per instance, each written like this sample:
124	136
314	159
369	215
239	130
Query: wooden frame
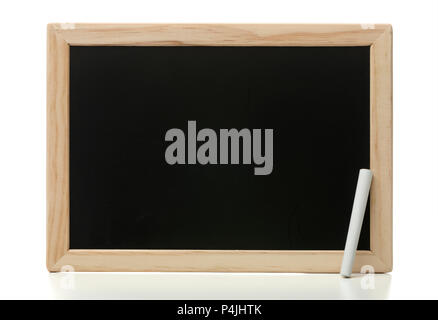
61	36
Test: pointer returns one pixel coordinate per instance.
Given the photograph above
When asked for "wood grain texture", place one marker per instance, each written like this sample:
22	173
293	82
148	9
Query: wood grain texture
381	148
219	34
211	261
57	147
61	36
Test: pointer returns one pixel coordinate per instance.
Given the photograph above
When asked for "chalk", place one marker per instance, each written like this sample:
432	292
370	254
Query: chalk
357	214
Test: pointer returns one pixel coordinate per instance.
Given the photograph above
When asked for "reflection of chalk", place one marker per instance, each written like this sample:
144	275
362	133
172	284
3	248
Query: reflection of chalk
357	213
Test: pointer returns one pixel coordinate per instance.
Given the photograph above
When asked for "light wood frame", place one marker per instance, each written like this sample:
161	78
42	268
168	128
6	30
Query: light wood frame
61	36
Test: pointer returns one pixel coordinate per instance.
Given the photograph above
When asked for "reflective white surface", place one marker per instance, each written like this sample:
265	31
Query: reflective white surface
217	286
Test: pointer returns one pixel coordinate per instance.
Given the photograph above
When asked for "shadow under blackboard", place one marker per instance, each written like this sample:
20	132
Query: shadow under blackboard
220	286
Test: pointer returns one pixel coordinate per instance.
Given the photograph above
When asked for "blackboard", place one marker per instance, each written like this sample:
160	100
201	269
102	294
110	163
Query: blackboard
123	193
217	147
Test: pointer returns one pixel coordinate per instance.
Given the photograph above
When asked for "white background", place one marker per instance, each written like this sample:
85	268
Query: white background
23	150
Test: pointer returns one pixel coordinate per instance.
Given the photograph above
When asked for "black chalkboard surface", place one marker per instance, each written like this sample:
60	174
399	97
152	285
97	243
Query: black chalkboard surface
123	100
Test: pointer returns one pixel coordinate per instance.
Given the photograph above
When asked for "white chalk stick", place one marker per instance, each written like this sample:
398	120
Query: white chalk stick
357	214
